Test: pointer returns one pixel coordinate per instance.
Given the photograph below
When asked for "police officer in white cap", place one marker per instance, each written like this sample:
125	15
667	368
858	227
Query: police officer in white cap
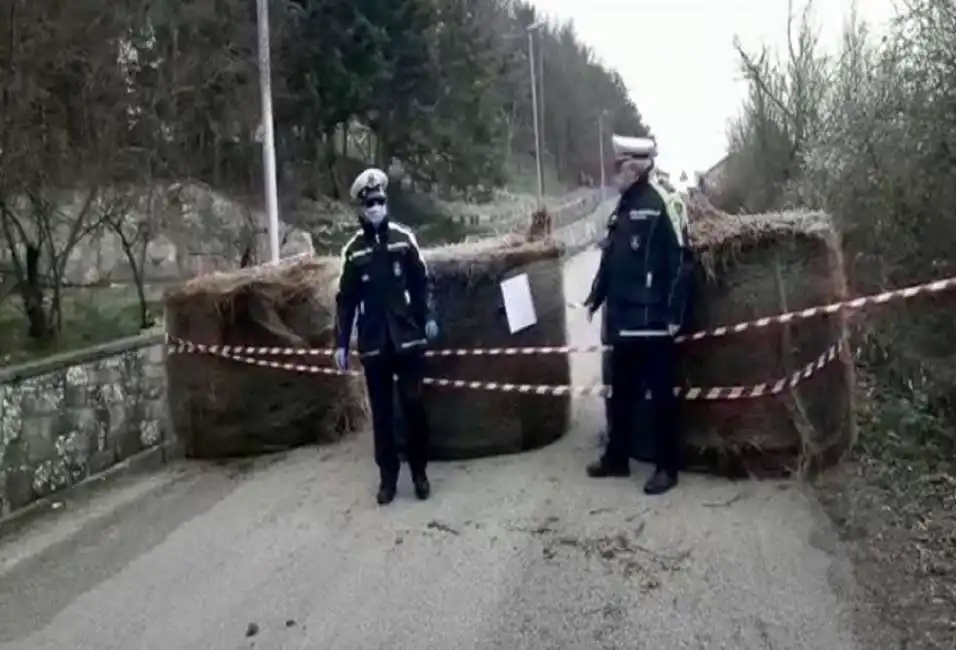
643	281
385	281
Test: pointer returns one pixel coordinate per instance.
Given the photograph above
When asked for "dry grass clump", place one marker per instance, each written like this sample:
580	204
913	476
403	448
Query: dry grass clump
751	266
224	408
470	423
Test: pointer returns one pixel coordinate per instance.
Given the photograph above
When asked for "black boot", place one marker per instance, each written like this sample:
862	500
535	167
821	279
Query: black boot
386	494
603	469
662	481
386	489
423	488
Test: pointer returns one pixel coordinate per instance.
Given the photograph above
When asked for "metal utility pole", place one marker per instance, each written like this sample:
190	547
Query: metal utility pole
534	103
268	132
541	92
601	154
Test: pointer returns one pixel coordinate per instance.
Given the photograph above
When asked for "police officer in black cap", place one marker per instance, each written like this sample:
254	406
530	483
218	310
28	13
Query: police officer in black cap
385	282
643	282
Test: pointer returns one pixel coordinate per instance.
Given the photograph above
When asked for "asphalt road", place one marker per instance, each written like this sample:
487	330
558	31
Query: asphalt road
521	552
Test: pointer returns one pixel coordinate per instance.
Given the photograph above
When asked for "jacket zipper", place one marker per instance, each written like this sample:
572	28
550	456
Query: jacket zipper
650	277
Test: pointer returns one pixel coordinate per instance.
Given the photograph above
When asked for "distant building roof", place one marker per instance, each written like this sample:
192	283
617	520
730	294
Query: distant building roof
717	165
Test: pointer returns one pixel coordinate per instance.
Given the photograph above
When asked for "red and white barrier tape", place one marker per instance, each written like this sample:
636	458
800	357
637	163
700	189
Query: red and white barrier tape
325	352
812	312
232	353
766	388
692	393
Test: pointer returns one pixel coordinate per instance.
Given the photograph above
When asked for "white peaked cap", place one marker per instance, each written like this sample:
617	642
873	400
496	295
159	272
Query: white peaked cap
371	179
625	147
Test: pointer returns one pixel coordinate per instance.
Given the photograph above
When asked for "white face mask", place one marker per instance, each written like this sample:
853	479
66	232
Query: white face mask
375	213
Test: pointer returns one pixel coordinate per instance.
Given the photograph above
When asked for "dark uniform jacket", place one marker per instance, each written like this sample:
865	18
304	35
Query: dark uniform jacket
385	281
646	265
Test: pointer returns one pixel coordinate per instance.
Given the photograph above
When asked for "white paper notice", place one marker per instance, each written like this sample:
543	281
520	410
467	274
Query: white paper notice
519	306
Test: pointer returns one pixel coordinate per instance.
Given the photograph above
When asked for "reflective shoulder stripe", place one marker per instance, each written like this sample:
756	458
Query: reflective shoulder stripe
675	211
346	255
678	214
406	232
345	249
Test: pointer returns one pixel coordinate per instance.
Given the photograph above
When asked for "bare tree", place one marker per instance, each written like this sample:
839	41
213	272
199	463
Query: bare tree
138	214
768	141
40	234
61	105
869	135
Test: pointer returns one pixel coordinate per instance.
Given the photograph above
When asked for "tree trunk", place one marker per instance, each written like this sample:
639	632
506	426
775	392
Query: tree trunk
315	166
136	267
139	277
217	160
145	322
381	152
331	156
31	291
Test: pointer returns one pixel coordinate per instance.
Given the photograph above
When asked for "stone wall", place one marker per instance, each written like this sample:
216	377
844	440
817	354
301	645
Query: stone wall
513	211
69	417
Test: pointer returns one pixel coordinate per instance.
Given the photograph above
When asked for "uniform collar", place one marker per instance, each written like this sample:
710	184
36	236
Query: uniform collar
375	232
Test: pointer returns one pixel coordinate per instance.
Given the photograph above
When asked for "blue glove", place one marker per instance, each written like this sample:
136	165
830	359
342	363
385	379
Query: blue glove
431	329
341	357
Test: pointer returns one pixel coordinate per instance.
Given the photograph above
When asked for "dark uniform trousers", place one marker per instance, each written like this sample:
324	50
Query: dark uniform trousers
637	366
380	371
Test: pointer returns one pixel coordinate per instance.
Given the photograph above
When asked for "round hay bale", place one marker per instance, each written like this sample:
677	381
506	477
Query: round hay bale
469	423
751	266
700	207
223	408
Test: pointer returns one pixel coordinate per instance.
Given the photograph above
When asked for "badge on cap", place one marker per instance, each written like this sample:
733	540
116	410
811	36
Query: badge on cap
398	269
635	242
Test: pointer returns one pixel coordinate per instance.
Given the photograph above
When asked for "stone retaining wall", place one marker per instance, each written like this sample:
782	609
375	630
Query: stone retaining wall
69	417
586	227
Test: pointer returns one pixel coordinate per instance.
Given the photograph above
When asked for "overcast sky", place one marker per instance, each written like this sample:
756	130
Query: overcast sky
678	61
